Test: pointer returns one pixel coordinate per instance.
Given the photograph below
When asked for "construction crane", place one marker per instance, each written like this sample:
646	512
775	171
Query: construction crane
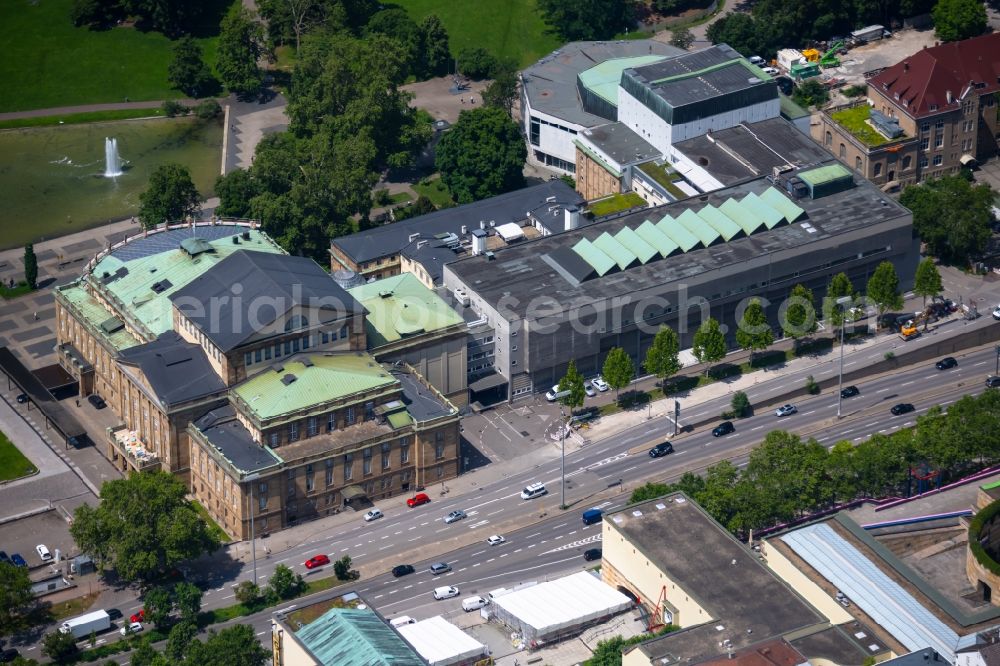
830	59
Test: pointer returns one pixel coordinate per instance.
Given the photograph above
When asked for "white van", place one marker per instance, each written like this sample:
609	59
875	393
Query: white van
499	592
555	394
473	603
534	490
401	620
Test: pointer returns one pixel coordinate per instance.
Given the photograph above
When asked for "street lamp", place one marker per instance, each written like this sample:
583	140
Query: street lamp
841	302
562	439
253	543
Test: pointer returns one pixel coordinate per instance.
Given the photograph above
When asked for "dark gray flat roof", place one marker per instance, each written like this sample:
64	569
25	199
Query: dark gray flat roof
717	572
177	370
621	144
526	271
759	147
550	83
223	431
700	75
282	281
513	206
422	403
838	645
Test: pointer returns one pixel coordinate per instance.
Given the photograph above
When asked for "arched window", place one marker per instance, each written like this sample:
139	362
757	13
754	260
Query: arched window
829	139
857	164
843	151
906	162
878	169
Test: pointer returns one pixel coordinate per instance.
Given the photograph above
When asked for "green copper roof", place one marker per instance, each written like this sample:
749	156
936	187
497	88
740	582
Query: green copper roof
598	260
296	386
636	244
603	78
782	204
401	306
96	315
770	215
356	637
720	222
135	292
678	233
652	235
697	226
620	254
825	174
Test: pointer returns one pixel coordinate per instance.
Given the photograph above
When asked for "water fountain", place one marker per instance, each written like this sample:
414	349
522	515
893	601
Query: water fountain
112	162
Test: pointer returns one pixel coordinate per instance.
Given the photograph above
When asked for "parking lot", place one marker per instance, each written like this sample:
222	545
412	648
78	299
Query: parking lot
49	528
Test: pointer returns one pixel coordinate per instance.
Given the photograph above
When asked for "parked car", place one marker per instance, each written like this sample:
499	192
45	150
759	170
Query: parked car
785	410
417	500
785	85
4	557
373	514
849	392
401	570
946	363
445	592
554	393
139	616
756	60
770	70
17	560
589	389
723	428
43	552
317	561
97	401
439	568
901	408
592	554
600	384
131	628
992	381
22	398
454	516
496	540
114	614
661	449
473	603
996	313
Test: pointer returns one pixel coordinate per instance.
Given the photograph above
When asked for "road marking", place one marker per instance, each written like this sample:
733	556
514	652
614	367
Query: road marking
980	363
476	565
883	390
479	553
490	560
384	547
573	532
532	545
908	383
407	587
462	569
495	512
531	536
385	537
412	528
399	532
810	412
424	524
505	555
259	633
380	596
757	428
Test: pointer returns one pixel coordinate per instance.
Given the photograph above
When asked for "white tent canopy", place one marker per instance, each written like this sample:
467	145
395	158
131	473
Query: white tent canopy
510	231
440	642
550	609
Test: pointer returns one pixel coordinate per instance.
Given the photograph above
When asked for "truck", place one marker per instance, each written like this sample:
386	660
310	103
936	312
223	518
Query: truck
870	34
83	626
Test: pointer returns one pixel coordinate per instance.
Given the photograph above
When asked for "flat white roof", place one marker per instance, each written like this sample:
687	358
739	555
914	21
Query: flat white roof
564	602
510	231
440	642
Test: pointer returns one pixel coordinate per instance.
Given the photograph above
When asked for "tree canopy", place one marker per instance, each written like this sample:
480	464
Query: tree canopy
143	525
927	281
811	93
187	70
952	216
482	155
799	317
618	369
15	596
171	196
572	382
241	44
955	20
574	20
709	343
753	333
662	356
883	288
839	287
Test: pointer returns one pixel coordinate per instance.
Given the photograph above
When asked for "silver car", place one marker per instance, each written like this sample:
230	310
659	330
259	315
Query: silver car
455	516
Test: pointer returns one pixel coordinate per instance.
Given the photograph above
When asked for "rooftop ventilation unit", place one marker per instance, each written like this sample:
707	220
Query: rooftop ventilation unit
886	126
307	362
288	379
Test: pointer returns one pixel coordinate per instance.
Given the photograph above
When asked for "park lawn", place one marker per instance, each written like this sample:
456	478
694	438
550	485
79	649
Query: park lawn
436	191
13	464
78	118
506	28
50	63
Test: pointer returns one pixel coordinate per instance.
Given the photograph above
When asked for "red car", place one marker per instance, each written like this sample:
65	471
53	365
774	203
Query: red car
317	561
417	500
138	617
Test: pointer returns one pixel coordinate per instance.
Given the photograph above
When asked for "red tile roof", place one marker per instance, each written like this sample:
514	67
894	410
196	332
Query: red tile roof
922	81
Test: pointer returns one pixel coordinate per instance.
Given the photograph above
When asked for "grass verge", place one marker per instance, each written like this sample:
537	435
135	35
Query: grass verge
72	607
13	292
435	190
13	464
79	118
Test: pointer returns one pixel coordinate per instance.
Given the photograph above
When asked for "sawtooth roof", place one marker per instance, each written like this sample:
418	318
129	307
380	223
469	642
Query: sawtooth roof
922	81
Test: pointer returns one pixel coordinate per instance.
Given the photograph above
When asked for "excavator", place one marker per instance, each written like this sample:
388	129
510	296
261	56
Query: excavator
830	59
911	328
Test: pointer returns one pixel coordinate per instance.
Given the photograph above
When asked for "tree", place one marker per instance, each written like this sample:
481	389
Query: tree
158	605
239	50
648	491
799	317
839	287
143	525
235	191
951	216
96	14
171	17
59	647
187	70
422	206
709	343
575	20
15	595
682	38
607	653
434	47
739	30
811	93
927	281
662	356
145	655
30	266
207	109
180	637
618	369
572	382
342	568
883	288
955	20
396	24
170	196
502	92
247	593
753	332
482	156
740	404
285	583
187	600
476	62
233	646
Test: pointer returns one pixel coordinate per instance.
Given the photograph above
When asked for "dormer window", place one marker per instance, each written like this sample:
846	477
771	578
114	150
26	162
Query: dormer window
934	107
896	96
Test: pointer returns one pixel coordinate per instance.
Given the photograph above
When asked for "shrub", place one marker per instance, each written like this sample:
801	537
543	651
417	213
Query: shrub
811	386
172	107
207	108
741	404
247	593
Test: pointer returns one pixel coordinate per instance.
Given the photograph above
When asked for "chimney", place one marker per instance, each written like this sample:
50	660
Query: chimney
478	241
465	229
482	224
949	96
906	65
571	215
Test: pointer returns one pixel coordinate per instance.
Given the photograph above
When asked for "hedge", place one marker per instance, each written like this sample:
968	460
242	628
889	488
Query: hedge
975	529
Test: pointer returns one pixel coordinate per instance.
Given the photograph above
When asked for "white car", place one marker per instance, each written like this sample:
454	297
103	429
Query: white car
445	592
770	70
374	514
454	516
589	389
43	552
785	410
600	384
131	628
996	312
496	540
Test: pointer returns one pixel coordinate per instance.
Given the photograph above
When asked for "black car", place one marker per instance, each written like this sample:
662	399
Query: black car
114	614
3	556
785	85
402	570
945	363
592	554
849	392
993	381
723	428
22	398
901	408
661	450
97	401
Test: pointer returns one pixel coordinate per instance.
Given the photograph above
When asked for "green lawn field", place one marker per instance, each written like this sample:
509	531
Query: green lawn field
13	464
49	63
511	28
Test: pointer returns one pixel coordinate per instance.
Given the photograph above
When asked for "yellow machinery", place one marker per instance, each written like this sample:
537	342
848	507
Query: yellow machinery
909	330
812	55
